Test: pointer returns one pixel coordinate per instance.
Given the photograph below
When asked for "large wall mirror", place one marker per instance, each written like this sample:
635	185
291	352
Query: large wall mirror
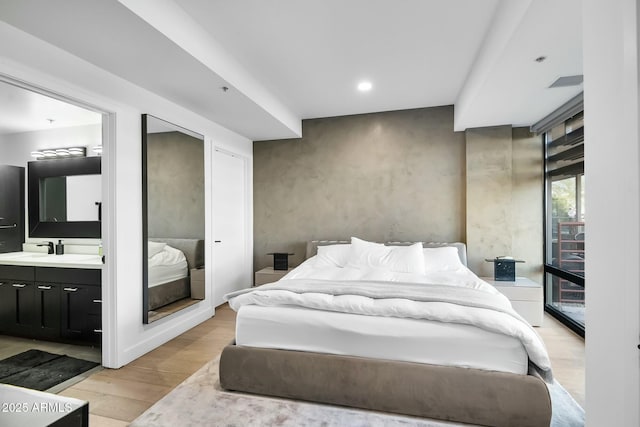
173	218
65	197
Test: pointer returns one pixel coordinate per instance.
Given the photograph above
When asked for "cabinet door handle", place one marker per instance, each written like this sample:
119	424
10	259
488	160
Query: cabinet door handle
97	301
70	289
19	285
99	331
45	288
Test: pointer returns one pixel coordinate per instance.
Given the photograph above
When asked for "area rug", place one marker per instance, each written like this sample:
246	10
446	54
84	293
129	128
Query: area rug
199	401
39	370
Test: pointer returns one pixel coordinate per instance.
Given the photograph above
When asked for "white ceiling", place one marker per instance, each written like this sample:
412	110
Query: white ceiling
24	111
287	60
313	54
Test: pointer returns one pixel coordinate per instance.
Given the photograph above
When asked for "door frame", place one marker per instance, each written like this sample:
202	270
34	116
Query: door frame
108	228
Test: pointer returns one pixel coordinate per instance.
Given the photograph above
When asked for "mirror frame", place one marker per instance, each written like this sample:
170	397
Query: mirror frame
145	206
41	169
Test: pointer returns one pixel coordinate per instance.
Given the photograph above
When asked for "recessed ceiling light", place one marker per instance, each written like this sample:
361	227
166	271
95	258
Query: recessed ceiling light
364	86
565	81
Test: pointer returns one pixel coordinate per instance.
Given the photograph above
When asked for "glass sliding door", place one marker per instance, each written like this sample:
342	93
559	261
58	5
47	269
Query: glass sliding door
565	222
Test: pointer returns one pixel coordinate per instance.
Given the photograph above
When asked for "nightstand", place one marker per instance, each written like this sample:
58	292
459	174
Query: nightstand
197	283
268	275
525	295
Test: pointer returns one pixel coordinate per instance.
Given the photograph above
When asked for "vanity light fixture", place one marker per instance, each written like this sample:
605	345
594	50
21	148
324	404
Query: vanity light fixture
78	151
364	86
54	153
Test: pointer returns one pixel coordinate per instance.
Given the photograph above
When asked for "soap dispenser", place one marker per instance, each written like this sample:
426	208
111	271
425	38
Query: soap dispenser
59	248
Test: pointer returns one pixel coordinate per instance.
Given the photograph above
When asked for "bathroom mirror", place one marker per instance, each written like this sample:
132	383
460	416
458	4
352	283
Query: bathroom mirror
65	197
173	218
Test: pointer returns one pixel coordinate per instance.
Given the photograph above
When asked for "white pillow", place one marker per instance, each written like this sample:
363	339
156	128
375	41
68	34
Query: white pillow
400	259
445	258
155	248
333	255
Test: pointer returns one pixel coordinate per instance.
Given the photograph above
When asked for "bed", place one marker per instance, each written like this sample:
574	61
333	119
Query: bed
169	265
403	328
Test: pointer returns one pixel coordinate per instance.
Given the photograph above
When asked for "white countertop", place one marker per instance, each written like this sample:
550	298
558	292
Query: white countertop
38	259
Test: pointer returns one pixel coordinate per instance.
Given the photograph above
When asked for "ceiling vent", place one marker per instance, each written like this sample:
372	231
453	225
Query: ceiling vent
566	81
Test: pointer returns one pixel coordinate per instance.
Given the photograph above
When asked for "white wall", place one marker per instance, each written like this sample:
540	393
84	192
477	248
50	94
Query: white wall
612	236
126	338
16	148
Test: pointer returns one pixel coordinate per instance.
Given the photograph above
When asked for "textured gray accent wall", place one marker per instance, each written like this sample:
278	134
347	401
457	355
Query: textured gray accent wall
489	194
396	175
504	198
175	189
528	202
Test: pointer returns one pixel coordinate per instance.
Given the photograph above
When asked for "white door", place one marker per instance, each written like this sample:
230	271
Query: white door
231	271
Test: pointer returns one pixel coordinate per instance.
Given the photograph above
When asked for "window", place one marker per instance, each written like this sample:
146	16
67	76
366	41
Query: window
565	221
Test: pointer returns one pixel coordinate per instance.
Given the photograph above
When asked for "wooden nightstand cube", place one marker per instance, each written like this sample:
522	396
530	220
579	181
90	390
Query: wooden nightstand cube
525	295
269	275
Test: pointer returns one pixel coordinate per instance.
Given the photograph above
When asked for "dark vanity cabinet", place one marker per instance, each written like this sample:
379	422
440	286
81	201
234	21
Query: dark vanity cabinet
59	304
80	301
18	300
81	313
48	310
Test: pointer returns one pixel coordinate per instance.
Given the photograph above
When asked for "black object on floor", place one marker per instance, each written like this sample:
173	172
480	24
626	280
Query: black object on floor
39	370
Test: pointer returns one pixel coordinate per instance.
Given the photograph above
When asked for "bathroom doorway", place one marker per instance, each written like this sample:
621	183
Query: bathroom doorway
39	126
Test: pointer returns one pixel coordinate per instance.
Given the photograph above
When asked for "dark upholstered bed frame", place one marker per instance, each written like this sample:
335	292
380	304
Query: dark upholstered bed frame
176	290
431	391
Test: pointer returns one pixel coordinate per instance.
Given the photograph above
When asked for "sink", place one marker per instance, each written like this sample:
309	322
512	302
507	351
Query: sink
25	258
77	257
21	255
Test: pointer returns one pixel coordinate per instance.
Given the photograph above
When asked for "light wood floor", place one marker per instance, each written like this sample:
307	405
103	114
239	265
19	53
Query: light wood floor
118	396
566	350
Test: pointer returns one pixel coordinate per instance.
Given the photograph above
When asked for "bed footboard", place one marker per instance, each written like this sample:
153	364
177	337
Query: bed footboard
167	293
430	391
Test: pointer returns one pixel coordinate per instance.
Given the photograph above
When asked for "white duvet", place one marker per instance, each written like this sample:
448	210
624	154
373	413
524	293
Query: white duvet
166	265
453	296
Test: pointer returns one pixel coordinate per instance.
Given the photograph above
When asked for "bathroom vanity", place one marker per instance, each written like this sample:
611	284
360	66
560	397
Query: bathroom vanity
51	297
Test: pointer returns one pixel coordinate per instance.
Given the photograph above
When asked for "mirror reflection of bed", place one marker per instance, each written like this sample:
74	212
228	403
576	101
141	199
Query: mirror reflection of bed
176	275
173	218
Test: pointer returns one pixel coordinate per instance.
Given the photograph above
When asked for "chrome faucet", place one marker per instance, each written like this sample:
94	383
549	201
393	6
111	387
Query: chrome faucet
49	246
